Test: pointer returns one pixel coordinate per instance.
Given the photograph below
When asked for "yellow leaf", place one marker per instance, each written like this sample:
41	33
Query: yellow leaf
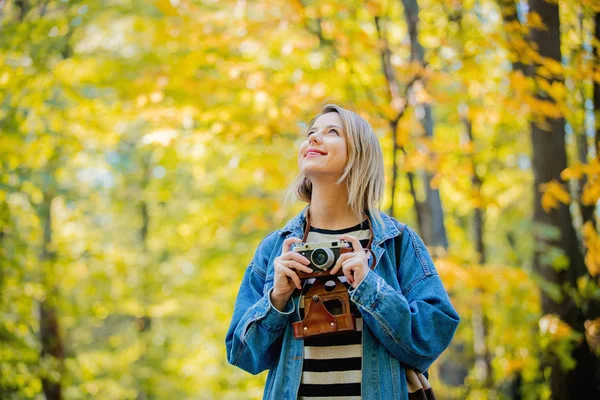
597	76
592	242
592	334
552	65
592	168
551	324
591	192
574	172
534	20
553	193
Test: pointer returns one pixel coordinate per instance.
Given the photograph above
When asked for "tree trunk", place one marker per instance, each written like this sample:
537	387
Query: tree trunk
549	160
597	88
398	103
4	221
433	229
395	147
144	323
483	362
479	320
521	64
52	345
587	211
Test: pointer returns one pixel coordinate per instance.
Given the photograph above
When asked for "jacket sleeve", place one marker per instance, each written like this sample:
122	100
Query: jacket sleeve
252	339
415	324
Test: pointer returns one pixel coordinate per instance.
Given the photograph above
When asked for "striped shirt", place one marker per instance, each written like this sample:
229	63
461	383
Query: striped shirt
332	367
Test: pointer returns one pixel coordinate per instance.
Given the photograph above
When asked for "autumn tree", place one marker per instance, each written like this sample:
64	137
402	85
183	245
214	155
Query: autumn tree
554	225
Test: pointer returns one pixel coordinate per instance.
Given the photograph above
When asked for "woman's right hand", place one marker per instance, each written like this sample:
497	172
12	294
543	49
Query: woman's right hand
285	277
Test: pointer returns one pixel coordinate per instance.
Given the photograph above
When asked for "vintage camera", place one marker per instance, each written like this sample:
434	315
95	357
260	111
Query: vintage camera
322	256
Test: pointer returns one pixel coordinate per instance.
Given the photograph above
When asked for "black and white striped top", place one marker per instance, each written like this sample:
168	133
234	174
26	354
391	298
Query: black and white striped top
332	366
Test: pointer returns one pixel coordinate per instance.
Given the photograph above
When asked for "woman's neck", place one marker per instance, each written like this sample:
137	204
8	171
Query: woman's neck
329	208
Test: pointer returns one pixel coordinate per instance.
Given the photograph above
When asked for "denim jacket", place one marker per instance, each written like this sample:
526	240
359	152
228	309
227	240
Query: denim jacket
408	318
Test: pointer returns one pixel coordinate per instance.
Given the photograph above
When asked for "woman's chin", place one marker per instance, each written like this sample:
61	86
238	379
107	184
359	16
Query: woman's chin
323	176
313	172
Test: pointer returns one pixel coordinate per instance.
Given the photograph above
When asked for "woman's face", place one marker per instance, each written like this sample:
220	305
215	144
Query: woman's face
324	153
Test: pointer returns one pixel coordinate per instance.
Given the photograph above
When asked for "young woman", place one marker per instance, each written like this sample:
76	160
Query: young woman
404	318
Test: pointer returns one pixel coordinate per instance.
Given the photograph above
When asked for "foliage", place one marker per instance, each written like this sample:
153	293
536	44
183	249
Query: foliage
163	133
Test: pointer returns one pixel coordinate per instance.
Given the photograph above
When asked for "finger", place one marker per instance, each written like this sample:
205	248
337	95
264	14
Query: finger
368	254
293	260
285	274
353	240
356	259
292	255
294	277
340	260
293	264
283	264
280	273
288	242
348	273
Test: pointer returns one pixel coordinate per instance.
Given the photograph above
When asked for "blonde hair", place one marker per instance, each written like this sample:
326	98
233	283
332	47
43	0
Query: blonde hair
364	170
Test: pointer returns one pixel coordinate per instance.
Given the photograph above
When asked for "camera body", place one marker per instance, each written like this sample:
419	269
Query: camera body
322	256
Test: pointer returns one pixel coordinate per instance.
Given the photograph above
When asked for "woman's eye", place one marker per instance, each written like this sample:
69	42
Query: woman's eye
329	131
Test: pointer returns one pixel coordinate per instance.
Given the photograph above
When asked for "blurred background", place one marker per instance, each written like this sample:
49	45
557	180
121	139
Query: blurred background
145	147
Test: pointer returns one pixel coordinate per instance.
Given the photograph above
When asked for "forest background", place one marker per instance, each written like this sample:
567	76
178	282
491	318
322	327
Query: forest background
145	147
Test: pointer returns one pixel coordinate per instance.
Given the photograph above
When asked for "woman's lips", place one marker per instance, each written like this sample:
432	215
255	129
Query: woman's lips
314	151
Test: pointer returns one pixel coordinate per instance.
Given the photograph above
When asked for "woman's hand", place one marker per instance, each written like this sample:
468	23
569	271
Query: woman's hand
285	278
354	265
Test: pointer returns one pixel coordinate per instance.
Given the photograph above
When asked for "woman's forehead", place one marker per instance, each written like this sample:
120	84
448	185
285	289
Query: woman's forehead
330	118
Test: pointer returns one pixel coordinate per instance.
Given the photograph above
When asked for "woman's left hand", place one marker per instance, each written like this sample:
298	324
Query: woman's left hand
354	265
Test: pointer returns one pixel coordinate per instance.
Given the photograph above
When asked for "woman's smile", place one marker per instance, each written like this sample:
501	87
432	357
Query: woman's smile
312	152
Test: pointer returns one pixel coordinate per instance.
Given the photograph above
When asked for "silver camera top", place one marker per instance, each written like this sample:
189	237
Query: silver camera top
321	254
331	244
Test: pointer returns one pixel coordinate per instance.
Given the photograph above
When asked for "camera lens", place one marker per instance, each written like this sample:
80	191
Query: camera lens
322	258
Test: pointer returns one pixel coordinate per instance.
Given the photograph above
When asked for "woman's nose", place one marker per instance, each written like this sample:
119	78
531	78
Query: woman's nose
313	137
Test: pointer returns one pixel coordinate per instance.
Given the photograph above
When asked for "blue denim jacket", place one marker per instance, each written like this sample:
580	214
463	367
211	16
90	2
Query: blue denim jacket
408	317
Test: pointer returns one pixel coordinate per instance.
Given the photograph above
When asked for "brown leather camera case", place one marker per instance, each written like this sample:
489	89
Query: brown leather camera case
317	319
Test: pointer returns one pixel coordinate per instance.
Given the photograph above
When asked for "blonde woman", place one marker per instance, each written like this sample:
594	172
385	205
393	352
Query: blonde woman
404	318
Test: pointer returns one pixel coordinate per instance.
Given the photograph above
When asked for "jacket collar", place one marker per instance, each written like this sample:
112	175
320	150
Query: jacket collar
381	231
